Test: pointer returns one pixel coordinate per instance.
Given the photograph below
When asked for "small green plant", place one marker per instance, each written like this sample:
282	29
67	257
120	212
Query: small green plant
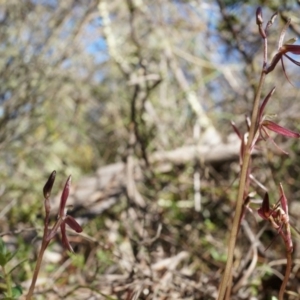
11	292
60	223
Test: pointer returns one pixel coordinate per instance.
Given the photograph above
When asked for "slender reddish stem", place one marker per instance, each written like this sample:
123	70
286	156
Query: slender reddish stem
286	275
44	246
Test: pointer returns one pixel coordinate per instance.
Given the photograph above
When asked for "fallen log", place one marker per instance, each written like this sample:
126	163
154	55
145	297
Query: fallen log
98	192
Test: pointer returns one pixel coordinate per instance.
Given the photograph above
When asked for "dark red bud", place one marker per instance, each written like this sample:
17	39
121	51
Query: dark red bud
73	224
49	184
64	197
259	17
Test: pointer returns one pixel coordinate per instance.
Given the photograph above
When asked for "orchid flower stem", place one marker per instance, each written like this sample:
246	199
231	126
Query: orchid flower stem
44	246
239	204
286	275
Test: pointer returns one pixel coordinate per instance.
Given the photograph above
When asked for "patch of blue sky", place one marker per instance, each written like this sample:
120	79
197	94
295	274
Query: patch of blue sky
98	49
207	11
95	44
210	12
52	3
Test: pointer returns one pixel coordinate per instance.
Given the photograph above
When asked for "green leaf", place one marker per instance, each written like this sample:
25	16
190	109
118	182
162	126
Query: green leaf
2	260
5	255
17	291
9	256
17	265
5	258
3	249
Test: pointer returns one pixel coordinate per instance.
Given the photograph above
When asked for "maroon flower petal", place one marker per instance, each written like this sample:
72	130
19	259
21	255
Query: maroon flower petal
270	139
64	197
265	102
64	237
264	211
273	63
279	129
295	49
236	130
73	224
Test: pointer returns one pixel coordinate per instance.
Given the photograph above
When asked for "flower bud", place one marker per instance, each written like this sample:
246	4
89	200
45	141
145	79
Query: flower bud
49	184
259	18
64	197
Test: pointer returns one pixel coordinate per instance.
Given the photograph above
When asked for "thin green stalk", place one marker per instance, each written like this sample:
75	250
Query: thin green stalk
240	198
8	282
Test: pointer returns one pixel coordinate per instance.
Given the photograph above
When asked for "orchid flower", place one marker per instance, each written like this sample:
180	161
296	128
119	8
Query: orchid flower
64	219
264	125
283	51
278	216
61	222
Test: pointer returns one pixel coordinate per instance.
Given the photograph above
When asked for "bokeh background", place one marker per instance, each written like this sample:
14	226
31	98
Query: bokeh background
134	99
